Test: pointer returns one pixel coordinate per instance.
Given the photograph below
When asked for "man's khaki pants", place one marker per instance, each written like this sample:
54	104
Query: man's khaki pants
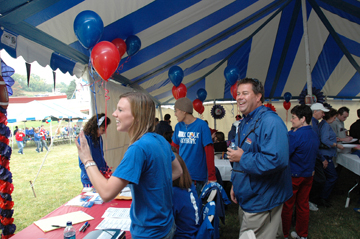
266	225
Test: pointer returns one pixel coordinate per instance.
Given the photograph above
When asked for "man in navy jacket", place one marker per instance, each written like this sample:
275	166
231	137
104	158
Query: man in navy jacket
261	177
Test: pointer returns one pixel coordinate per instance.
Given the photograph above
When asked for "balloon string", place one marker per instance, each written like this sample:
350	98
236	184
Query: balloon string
92	85
286	117
122	65
201	116
106	99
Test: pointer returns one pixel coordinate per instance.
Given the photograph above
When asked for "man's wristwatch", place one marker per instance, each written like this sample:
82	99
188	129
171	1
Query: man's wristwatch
90	164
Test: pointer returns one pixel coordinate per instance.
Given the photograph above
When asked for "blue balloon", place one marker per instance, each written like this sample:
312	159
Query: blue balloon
176	75
232	74
88	28
133	45
287	96
201	94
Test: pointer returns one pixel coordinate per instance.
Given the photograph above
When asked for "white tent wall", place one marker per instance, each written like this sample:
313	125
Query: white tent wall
224	124
115	143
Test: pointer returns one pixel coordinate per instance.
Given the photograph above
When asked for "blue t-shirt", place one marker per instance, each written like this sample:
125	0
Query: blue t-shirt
186	208
192	139
147	166
37	137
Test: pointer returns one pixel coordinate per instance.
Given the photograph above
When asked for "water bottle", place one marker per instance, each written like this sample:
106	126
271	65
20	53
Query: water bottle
69	232
233	145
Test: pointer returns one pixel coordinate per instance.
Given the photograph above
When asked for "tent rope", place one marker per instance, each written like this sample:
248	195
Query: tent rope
32	184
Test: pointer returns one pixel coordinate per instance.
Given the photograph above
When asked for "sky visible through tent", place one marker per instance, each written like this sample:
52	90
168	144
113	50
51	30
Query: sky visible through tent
44	72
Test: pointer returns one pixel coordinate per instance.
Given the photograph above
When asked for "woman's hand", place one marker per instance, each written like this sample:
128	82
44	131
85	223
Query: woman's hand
83	148
340	146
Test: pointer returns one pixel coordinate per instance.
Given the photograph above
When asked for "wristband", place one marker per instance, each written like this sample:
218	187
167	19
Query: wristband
90	164
88	161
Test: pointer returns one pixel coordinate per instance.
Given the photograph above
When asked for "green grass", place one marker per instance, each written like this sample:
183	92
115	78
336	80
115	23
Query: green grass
330	223
59	181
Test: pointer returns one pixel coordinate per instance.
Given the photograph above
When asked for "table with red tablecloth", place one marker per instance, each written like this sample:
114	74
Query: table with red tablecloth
96	211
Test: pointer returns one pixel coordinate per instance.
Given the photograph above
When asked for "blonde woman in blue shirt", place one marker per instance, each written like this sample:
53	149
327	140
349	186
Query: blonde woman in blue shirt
148	166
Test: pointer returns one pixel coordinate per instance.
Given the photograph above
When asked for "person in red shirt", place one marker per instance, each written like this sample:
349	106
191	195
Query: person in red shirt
20	140
43	138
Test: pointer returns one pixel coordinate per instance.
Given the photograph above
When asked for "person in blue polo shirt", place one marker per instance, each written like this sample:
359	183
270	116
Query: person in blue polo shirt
303	148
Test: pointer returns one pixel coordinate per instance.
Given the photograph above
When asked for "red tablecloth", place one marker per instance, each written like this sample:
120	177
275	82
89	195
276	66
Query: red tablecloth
96	211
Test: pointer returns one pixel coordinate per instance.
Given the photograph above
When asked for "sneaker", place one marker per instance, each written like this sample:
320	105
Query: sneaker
294	235
313	207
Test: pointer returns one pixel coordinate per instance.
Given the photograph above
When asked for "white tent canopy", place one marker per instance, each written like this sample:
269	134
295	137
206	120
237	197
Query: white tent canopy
39	110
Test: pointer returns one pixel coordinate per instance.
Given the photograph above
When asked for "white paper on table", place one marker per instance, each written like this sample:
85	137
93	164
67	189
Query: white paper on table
114	223
126	192
75	202
115	212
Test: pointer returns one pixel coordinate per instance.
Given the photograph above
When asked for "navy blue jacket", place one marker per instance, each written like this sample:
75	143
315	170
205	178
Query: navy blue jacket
262	178
303	148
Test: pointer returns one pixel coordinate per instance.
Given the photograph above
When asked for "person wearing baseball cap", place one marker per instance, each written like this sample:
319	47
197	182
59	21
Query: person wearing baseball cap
319	180
192	138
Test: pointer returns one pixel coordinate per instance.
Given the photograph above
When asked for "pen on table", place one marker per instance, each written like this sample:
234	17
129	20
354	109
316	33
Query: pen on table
58	226
86	227
83	226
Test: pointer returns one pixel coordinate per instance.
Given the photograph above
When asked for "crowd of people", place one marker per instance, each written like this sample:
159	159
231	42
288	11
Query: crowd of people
274	170
39	135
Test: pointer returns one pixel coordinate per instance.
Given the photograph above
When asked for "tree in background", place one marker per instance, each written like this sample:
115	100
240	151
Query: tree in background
71	89
37	84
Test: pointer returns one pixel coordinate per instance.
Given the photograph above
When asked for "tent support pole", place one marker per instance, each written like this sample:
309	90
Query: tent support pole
160	112
307	50
51	135
214	117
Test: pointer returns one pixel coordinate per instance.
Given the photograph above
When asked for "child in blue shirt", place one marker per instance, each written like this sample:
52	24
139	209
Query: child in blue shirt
37	140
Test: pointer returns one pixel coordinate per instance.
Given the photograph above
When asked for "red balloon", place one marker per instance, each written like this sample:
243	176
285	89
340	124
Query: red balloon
179	92
287	105
233	90
198	106
105	59
201	109
120	45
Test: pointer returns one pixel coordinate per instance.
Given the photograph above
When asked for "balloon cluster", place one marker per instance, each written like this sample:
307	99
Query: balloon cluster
232	75
6	185
105	56
198	102
48	121
287	98
176	75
